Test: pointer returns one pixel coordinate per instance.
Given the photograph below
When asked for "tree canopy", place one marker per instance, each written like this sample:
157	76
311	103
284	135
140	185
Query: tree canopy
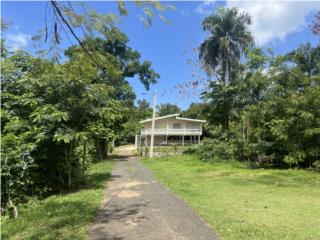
270	116
229	36
167	109
57	118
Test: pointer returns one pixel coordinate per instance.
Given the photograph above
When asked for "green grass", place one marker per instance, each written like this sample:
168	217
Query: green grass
64	216
243	203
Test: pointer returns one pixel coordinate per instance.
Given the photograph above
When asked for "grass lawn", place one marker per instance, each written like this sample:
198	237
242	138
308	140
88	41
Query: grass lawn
64	216
243	203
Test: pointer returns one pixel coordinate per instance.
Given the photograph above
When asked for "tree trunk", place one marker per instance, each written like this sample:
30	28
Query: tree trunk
98	148
13	209
227	113
259	136
226	74
84	158
104	148
69	174
68	159
242	129
60	177
112	146
248	130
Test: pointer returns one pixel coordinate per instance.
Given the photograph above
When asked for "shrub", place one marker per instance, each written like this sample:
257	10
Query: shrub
191	149
316	165
213	148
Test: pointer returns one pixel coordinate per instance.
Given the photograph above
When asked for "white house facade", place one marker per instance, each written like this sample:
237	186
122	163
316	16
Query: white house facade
171	129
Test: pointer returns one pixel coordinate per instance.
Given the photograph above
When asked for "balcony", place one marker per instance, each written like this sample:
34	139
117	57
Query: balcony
172	132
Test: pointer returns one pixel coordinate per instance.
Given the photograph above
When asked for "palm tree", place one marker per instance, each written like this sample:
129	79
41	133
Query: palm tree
229	37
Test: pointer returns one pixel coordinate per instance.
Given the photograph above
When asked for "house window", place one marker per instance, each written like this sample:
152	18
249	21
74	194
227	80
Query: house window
176	125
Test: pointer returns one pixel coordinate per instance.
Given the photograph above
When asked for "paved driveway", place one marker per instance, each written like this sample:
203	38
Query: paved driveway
137	207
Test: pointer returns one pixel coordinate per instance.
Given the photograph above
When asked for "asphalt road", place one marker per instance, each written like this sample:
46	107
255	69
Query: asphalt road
137	207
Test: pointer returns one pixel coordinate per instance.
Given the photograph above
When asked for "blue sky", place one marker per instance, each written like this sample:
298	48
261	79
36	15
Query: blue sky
280	25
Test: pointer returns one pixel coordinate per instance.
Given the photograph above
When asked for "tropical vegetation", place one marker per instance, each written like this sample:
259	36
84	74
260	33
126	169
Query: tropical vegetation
269	113
58	117
62	113
61	216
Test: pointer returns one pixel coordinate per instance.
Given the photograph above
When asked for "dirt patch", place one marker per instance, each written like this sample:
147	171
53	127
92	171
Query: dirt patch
128	194
126	185
131	223
135	183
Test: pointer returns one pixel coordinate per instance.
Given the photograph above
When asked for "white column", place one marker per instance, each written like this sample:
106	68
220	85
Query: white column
136	142
153	123
167	126
184	132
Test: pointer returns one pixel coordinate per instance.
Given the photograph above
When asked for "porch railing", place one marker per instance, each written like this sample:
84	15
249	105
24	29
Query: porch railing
172	131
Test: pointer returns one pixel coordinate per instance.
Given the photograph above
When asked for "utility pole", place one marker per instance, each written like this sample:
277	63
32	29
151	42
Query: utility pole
153	123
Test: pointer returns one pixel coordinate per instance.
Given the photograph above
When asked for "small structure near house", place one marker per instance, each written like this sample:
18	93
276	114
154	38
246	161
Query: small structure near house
169	130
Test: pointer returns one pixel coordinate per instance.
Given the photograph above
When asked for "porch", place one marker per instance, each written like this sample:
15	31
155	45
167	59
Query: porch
172	132
168	140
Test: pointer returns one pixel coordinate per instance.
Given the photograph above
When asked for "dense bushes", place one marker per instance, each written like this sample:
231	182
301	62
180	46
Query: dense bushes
213	148
266	108
272	111
58	118
52	117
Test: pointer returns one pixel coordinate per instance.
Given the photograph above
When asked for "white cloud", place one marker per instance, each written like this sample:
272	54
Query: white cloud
205	7
17	41
184	13
272	19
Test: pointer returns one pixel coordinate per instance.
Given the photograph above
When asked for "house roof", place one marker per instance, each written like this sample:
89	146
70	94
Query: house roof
173	115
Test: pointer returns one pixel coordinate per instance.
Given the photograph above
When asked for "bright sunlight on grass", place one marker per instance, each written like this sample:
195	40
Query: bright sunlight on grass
243	203
64	216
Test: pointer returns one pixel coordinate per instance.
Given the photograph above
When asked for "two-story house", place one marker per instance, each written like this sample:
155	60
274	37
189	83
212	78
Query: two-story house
171	129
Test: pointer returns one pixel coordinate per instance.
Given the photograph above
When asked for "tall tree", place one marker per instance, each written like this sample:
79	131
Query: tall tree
315	27
229	37
143	110
58	118
132	126
168	108
306	58
3	27
195	110
75	21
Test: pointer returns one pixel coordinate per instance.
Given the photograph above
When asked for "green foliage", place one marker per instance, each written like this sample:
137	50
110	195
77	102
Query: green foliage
173	149
66	215
229	38
167	109
212	149
195	110
58	118
221	99
132	127
80	20
270	97
271	113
